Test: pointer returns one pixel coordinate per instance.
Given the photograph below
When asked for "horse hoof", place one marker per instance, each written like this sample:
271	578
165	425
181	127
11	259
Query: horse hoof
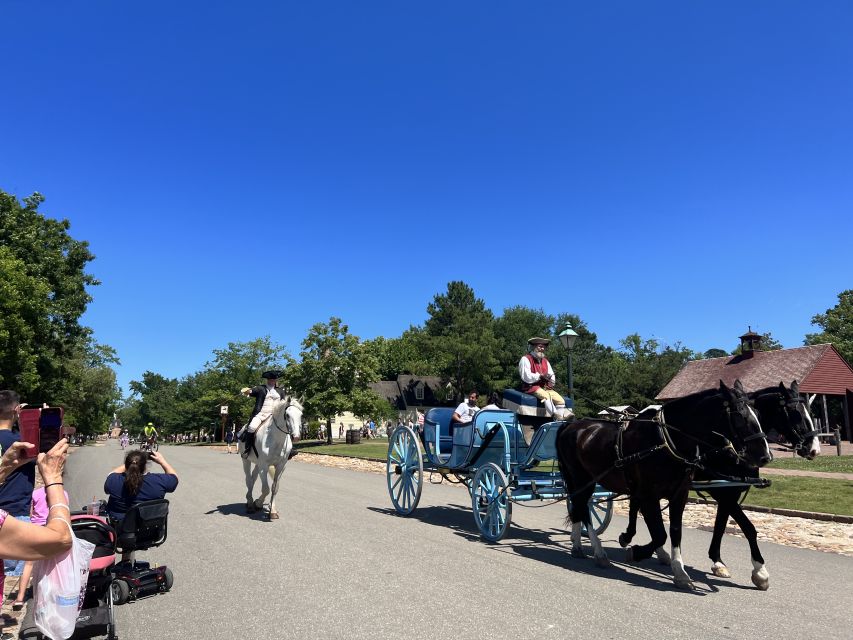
603	562
273	516
721	571
624	540
687	585
762	582
577	552
629	554
663	558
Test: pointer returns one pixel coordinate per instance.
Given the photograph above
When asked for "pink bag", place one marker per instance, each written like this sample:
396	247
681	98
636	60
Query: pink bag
60	585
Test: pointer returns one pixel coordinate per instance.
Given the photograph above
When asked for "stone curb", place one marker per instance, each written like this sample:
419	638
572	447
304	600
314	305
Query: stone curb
789	513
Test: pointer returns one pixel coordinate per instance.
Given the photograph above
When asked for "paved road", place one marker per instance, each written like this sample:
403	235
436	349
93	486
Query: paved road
340	564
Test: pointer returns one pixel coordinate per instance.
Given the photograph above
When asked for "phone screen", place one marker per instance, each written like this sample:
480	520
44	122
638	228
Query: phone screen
28	422
50	427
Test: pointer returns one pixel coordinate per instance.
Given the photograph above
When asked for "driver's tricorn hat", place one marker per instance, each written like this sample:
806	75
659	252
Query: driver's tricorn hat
274	374
535	341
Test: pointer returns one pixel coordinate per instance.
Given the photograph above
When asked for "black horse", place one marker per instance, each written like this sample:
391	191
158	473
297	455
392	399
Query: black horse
655	459
782	410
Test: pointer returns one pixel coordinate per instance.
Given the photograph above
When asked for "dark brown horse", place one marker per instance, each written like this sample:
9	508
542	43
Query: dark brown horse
655	459
782	410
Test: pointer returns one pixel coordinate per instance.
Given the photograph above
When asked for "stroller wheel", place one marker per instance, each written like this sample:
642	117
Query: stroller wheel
169	579
120	591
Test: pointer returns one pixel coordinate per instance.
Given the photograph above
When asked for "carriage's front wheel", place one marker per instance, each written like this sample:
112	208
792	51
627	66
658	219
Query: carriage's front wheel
491	502
404	470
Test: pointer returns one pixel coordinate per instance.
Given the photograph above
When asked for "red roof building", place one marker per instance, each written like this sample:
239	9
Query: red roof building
819	369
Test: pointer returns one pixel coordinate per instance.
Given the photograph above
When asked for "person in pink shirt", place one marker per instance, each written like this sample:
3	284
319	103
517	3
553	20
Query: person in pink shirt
39	511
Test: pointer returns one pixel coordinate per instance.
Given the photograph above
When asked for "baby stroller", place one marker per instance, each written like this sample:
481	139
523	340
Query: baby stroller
97	616
144	526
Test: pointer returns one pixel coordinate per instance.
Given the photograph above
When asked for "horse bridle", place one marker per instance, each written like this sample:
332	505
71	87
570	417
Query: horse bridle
727	445
288	431
792	405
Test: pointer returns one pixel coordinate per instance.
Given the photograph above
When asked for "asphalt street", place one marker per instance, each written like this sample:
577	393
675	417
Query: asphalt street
341	564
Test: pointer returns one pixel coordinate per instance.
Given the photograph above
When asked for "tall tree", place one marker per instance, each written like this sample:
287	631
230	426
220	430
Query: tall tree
837	325
334	374
40	334
460	338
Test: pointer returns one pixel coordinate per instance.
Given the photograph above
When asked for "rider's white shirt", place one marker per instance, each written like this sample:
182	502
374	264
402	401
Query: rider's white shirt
270	400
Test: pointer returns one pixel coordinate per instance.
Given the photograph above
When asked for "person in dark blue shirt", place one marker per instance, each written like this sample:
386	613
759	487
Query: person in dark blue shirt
16	493
130	484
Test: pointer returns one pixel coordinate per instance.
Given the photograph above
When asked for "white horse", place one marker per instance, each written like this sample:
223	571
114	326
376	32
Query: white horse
274	442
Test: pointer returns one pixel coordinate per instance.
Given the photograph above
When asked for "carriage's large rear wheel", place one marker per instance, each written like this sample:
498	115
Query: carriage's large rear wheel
490	501
404	470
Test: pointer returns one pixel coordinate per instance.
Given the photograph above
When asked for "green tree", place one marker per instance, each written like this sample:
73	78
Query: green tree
837	325
650	367
334	374
158	401
43	294
513	329
90	395
715	353
459	338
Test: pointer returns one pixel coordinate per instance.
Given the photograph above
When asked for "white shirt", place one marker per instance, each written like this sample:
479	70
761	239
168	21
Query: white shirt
466	411
270	400
527	375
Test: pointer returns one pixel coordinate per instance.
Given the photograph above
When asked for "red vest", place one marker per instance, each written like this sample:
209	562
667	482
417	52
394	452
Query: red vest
536	366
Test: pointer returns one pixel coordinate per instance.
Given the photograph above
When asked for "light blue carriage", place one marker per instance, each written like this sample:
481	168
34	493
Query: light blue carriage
491	457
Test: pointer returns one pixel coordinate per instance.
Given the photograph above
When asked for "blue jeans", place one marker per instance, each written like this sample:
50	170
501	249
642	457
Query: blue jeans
15	567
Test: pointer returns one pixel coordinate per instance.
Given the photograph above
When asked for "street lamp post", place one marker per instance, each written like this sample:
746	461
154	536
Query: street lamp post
568	336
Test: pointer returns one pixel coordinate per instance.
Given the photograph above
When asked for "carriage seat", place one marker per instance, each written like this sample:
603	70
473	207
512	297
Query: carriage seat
469	438
144	526
437	431
526	404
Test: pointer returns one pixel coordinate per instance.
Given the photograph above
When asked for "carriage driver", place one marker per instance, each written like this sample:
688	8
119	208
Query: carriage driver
265	399
537	378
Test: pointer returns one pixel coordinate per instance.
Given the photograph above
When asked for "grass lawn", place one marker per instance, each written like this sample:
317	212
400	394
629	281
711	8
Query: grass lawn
832	463
804	494
367	449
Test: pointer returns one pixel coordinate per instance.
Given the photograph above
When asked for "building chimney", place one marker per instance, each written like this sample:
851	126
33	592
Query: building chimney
750	342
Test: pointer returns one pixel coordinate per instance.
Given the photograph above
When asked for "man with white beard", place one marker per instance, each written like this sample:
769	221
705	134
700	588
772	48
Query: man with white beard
537	378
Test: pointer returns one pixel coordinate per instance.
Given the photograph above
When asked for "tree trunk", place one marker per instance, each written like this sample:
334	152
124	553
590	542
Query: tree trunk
328	430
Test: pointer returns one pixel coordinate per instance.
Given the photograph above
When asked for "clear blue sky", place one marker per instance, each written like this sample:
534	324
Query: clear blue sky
676	169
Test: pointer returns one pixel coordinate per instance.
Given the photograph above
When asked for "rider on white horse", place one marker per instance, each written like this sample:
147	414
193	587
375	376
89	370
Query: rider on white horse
266	397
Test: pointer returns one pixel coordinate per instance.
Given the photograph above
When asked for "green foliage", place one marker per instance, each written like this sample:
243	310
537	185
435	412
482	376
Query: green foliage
459	337
45	353
837	325
650	366
715	353
334	373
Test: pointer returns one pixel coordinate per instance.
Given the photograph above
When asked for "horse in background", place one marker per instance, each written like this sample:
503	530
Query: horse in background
780	409
274	442
655	459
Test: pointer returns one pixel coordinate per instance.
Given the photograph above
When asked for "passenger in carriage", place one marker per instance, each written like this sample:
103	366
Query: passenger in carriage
466	410
494	402
538	379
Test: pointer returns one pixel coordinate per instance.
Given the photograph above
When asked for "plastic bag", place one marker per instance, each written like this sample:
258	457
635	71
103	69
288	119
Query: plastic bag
60	585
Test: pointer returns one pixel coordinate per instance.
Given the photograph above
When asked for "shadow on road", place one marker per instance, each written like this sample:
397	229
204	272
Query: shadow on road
552	546
238	509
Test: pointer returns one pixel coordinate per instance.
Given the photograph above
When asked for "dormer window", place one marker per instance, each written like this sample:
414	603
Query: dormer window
419	392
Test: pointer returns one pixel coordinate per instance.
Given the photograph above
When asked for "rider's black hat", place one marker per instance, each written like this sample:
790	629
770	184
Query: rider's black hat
275	374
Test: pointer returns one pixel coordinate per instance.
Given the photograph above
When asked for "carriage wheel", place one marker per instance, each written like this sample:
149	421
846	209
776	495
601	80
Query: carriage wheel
600	514
404	470
491	502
